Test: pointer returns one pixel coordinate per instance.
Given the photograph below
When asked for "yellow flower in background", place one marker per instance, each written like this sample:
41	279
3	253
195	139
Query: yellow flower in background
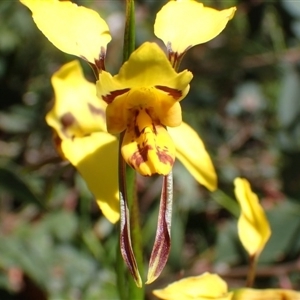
253	226
143	99
78	118
266	294
183	24
204	287
72	29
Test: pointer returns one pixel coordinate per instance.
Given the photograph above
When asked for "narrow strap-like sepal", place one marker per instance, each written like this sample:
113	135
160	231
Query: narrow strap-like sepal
162	243
125	243
125	237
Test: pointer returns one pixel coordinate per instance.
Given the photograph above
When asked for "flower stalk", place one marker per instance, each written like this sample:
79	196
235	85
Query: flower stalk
130	241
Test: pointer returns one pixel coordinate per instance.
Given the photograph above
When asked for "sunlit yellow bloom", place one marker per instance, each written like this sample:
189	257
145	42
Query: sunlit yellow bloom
205	287
143	99
72	29
267	294
183	24
78	118
253	226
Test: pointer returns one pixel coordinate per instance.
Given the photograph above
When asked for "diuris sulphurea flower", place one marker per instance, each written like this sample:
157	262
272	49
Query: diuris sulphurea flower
141	105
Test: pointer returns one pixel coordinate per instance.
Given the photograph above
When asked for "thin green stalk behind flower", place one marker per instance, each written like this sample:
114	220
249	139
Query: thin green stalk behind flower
127	186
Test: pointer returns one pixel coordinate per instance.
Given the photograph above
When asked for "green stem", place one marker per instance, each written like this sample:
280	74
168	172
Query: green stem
129	34
121	275
132	292
227	202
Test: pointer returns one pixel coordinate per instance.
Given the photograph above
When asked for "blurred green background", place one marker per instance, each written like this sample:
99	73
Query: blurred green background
245	104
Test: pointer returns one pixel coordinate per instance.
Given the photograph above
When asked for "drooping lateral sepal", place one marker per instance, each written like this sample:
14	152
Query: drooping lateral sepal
162	243
125	236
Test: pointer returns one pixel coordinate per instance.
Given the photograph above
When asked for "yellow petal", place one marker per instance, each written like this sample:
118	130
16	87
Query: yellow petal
147	66
148	148
77	110
191	152
72	29
267	294
96	158
183	24
253	226
205	287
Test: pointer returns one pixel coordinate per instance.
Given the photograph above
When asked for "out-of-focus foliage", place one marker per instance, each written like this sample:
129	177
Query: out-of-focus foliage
244	102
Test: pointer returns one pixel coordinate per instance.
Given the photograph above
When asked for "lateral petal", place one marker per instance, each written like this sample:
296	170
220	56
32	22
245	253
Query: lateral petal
183	24
72	29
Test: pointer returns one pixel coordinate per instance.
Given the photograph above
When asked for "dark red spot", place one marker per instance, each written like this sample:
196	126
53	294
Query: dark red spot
67	120
164	157
176	94
140	156
137	132
112	95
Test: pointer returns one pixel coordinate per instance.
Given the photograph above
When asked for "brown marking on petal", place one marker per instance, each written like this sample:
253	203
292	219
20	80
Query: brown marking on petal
100	62
137	131
154	129
176	94
95	110
67	120
140	156
164	157
109	98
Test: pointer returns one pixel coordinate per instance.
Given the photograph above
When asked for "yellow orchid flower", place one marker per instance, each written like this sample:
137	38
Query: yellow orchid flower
142	103
72	29
182	24
204	287
253	226
78	118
